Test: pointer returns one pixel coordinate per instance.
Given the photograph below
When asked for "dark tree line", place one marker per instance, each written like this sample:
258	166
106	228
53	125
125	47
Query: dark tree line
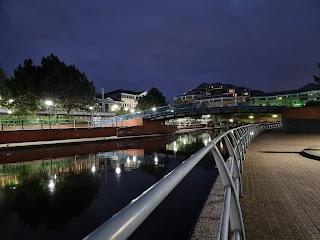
317	78
31	85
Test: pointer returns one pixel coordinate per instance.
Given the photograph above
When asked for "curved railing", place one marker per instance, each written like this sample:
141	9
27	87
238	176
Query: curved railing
125	222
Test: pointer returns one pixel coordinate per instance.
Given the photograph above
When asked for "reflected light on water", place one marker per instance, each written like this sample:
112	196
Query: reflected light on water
128	159
93	169
51	185
156	159
118	170
184	141
134	158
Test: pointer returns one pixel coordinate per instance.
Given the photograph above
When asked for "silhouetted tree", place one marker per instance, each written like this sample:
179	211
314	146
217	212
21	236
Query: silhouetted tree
154	98
25	88
317	78
4	89
65	85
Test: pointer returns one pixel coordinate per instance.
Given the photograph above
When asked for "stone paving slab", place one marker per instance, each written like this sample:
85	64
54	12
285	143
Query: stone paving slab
281	188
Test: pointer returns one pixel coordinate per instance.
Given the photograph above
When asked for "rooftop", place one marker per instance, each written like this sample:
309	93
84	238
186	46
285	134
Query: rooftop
308	87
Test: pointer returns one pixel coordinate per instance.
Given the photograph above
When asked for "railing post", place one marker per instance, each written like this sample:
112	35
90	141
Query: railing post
236	168
236	221
237	150
241	150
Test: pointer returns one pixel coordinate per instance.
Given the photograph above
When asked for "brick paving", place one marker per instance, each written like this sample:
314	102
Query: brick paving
281	188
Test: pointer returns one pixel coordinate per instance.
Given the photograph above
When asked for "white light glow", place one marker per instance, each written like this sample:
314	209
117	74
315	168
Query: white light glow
126	108
55	176
132	110
93	169
134	158
118	170
231	120
251	117
128	159
156	159
9	111
114	107
154	109
51	185
48	102
274	115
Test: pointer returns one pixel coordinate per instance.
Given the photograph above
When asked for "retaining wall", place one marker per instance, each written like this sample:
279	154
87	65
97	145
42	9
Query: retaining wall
301	120
144	127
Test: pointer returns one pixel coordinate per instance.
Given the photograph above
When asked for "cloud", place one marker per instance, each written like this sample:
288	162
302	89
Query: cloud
171	44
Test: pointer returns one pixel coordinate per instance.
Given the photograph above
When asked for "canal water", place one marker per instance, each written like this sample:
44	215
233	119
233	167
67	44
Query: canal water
66	192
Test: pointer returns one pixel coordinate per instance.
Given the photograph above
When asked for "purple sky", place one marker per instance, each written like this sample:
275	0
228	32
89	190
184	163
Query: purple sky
173	45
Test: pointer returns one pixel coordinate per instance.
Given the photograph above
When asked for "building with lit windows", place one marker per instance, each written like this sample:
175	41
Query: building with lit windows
292	98
219	94
115	100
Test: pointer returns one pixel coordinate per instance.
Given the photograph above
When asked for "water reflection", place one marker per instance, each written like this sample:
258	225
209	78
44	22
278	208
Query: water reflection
55	191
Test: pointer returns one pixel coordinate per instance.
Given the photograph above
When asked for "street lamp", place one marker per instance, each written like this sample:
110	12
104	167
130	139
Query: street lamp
49	103
91	114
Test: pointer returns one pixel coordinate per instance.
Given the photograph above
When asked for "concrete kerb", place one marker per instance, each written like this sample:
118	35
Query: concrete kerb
311	153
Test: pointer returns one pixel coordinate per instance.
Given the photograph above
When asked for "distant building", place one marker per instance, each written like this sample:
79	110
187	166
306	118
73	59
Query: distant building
219	94
115	100
291	98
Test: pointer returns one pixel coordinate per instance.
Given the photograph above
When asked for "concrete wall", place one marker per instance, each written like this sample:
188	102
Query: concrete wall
301	120
149	127
140	127
54	134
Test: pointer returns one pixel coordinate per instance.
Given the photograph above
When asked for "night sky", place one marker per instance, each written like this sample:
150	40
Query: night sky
173	45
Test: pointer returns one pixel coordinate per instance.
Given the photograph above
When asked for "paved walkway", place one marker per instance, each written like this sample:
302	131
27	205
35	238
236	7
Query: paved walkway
281	188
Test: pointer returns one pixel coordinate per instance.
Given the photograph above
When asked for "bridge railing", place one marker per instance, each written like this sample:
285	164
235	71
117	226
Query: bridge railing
125	222
181	109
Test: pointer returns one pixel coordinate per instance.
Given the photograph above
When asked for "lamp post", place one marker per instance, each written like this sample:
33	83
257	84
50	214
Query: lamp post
91	111
49	103
115	109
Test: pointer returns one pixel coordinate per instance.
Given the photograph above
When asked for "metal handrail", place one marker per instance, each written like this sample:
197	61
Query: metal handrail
126	221
186	108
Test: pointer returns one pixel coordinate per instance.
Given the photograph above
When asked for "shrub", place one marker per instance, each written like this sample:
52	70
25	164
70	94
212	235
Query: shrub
313	104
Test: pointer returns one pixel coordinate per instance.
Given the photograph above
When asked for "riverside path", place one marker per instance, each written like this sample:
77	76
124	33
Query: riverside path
281	188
